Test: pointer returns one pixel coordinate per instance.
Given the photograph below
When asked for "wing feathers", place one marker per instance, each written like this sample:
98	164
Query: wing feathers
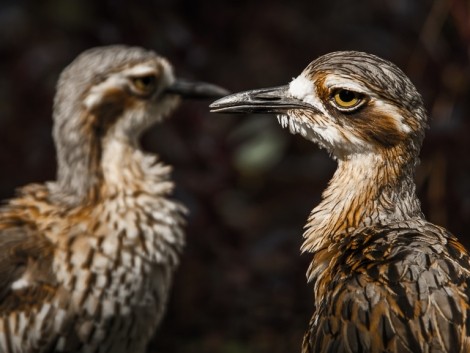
26	259
410	296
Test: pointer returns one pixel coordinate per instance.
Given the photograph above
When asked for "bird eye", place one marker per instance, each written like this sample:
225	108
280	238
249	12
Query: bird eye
346	100
145	84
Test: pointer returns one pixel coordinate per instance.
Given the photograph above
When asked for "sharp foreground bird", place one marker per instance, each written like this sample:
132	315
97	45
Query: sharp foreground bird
384	278
86	262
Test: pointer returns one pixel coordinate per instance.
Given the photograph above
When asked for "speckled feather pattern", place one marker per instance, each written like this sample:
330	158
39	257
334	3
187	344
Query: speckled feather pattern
111	269
399	288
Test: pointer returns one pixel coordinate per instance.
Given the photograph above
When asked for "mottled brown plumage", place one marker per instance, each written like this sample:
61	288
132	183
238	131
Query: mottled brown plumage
86	261
384	278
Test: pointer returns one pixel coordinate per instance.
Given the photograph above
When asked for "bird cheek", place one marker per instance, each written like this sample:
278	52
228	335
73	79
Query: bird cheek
105	112
164	105
385	132
100	103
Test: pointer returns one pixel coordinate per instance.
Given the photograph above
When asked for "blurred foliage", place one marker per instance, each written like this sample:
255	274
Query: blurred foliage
249	185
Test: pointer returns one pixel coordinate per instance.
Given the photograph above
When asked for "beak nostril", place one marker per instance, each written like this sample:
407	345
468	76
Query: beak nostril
271	94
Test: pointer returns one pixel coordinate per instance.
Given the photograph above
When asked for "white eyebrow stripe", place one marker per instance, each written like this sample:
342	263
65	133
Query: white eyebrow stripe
141	70
335	81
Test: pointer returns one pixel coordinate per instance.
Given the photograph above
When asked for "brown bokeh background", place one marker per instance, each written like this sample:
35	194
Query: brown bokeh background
248	184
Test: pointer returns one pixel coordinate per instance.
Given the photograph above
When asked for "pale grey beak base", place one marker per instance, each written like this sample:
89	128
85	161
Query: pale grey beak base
196	90
265	100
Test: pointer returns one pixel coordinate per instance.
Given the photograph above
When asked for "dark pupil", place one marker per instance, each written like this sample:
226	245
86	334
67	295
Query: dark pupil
347	96
147	80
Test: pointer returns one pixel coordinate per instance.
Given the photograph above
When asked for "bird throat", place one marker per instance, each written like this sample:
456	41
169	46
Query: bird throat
366	190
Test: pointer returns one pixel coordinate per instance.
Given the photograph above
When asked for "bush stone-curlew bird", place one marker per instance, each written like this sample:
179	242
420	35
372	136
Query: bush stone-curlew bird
384	278
86	262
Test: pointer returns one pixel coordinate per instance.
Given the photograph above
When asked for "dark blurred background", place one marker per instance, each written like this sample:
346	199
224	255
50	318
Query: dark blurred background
249	185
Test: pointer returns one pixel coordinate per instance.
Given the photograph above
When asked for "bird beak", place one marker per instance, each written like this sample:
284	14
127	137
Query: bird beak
197	90
265	100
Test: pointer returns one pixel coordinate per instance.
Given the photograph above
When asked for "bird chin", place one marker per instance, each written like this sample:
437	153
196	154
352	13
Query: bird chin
162	109
325	136
137	121
167	104
297	125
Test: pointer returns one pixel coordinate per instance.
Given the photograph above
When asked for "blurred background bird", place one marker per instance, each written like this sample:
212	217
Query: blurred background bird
385	279
86	261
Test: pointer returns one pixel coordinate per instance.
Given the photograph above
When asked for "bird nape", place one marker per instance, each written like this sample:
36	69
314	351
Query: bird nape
384	278
86	261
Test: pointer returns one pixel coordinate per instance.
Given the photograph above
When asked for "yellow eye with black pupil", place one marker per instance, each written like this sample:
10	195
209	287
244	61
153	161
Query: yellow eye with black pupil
346	99
145	84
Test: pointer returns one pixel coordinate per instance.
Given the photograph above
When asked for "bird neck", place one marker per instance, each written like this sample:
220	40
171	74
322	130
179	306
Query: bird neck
366	190
127	169
79	152
94	164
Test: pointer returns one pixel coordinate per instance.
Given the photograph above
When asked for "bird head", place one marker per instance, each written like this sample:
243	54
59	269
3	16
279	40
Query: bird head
106	98
347	102
120	91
